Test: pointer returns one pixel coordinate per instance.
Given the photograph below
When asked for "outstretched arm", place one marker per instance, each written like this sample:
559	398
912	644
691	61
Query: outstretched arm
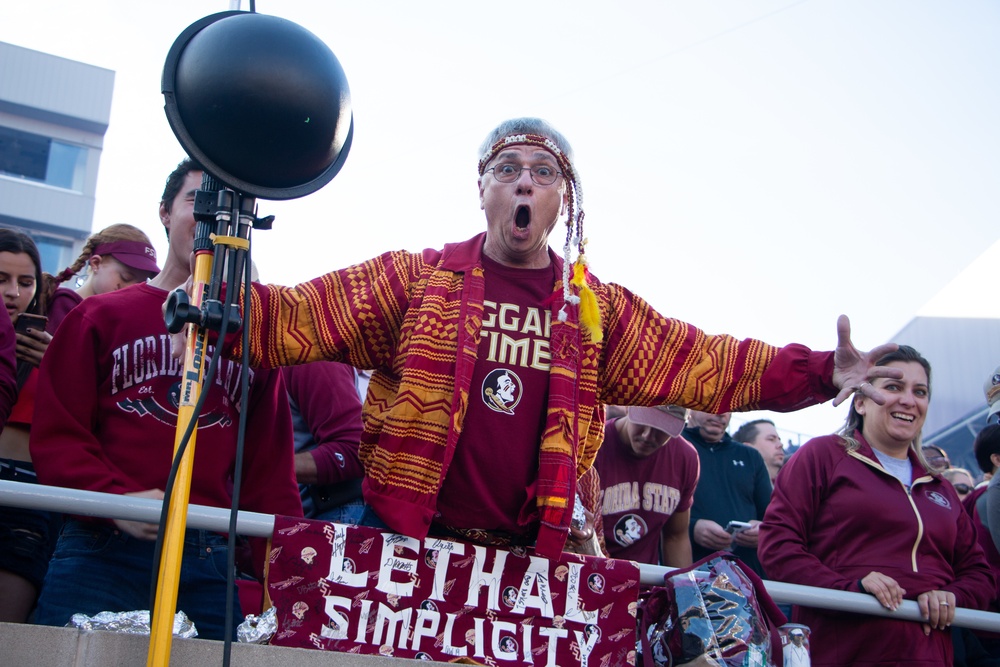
649	359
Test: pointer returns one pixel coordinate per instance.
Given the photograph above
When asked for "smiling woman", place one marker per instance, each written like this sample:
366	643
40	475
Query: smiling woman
893	428
863	511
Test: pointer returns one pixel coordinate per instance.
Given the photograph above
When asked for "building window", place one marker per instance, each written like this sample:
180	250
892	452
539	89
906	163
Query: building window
41	159
56	253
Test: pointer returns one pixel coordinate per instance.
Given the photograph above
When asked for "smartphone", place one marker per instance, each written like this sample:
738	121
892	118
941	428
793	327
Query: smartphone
27	321
734	527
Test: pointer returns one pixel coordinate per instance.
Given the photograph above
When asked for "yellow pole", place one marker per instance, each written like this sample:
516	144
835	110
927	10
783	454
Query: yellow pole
162	624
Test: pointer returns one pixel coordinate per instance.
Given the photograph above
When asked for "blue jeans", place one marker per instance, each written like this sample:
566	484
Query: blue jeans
97	567
349	513
370	519
26	536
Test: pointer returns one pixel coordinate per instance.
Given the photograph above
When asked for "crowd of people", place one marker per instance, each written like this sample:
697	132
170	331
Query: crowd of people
483	419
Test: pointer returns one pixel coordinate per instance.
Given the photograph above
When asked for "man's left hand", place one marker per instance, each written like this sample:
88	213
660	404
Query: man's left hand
584	540
853	370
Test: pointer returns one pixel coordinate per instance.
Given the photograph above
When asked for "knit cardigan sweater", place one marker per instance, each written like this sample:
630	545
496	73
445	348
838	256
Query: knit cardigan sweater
415	319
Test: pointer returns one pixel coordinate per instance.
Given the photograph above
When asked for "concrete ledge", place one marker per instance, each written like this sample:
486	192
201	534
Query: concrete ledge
41	646
37	646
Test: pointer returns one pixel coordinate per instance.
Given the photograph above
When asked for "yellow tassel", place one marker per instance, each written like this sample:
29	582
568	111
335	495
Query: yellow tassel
579	273
590	312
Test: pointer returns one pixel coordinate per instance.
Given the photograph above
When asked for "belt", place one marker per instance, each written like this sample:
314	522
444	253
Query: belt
490	538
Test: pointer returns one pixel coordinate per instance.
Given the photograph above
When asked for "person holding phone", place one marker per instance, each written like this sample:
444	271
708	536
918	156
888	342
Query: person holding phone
25	544
733	491
20	264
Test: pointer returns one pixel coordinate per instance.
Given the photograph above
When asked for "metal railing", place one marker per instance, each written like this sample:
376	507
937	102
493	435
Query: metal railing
254	524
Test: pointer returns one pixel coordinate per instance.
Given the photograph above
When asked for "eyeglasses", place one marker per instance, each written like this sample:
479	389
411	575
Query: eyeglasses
963	488
508	172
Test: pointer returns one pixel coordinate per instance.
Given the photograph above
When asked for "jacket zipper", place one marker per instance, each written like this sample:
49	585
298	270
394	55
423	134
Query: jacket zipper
909	497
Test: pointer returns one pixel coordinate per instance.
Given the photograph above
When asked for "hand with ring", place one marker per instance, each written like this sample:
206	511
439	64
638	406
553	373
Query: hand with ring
938	608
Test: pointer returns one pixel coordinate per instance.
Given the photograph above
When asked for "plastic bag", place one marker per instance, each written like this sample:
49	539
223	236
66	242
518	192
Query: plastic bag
714	613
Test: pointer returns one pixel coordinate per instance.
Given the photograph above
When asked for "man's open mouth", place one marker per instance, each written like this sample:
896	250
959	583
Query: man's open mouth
522	217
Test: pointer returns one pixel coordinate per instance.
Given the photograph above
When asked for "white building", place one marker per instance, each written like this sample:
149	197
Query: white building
54	114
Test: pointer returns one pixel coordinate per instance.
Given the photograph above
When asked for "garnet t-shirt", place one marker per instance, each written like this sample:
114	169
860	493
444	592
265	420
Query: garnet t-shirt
490	483
640	494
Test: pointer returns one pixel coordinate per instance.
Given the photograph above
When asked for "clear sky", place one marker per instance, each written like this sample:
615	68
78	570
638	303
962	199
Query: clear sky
755	167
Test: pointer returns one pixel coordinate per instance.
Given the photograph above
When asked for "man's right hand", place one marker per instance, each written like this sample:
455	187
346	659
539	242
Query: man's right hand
711	535
139	529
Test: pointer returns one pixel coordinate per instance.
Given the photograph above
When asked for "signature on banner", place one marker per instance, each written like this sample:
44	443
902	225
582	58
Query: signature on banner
364	590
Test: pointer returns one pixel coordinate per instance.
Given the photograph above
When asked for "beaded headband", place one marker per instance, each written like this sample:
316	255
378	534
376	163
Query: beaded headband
589	315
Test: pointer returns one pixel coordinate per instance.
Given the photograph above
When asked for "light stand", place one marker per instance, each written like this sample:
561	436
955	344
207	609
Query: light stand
224	219
263	105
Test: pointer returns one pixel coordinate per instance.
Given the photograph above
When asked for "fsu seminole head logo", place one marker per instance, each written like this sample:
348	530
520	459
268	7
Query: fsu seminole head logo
630	529
502	391
938	499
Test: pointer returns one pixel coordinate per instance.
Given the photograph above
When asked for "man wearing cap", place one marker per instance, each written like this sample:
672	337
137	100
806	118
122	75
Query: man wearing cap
648	476
442	329
795	653
110	391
